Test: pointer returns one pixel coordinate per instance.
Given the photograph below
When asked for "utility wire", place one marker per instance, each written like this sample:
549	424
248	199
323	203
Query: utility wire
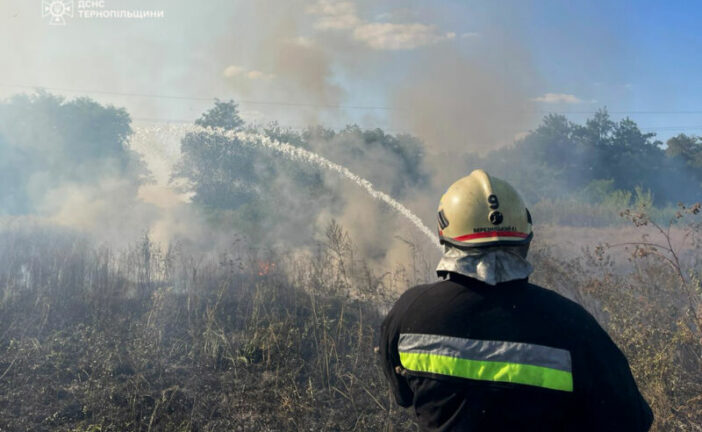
195	98
384	128
298	104
303	104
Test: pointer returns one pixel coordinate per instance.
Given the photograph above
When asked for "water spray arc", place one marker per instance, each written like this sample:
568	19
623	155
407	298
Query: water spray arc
297	154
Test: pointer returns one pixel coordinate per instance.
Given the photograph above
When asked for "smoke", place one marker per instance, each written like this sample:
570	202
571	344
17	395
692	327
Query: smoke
283	211
459	93
436	83
283	63
459	105
300	154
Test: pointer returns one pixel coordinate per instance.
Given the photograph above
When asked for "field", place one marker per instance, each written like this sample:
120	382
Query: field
207	209
146	339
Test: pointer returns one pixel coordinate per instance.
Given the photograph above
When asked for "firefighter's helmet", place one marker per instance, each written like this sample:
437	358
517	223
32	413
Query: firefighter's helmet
482	210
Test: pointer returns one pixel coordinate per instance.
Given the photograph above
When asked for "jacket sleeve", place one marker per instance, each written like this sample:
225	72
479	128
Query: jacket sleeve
607	394
390	358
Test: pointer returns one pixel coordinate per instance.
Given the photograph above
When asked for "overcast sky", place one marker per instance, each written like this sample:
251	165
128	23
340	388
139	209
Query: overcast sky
369	62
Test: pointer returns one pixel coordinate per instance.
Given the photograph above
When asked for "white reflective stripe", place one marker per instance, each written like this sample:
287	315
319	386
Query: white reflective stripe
486	350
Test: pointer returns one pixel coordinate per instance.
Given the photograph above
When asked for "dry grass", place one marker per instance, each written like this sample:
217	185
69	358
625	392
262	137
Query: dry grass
151	339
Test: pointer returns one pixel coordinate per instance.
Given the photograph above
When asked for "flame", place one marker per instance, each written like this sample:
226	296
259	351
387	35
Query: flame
265	268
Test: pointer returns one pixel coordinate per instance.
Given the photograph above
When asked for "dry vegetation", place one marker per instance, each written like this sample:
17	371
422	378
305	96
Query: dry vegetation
154	340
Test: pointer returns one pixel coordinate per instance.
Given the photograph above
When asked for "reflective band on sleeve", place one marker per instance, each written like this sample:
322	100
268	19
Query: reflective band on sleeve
513	362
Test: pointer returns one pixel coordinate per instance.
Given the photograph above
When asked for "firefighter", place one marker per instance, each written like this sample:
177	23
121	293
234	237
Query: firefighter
485	350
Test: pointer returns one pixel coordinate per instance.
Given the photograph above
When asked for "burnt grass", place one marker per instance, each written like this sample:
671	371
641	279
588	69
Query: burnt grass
152	340
309	365
90	341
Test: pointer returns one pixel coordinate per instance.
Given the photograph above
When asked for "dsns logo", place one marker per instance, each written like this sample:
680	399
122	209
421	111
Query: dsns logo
57	10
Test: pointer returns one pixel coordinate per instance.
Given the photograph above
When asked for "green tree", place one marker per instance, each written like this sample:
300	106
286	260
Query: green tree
46	140
394	163
569	157
688	148
598	129
241	186
223	115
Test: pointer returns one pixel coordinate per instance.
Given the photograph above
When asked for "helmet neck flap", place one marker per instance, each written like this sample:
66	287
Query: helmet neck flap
491	265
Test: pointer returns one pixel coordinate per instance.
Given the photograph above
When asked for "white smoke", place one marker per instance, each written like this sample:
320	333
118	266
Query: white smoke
291	152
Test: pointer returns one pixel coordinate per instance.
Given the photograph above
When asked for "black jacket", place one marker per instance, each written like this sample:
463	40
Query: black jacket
511	357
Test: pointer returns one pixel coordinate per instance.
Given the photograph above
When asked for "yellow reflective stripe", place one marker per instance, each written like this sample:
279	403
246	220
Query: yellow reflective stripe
487	350
488	370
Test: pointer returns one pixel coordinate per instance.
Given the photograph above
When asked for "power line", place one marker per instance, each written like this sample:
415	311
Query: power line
624	112
386	129
283	126
112	93
671	128
196	98
314	105
297	104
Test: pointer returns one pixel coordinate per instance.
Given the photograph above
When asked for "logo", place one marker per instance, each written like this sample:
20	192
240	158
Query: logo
495	217
56	10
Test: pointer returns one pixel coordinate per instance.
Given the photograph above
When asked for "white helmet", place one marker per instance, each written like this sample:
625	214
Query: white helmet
481	210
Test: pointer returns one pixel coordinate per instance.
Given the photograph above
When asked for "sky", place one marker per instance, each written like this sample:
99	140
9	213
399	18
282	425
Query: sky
451	71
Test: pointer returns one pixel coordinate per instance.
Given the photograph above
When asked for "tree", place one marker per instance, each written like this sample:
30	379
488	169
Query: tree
46	141
394	163
686	147
686	153
598	129
253	189
227	175
568	157
224	115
